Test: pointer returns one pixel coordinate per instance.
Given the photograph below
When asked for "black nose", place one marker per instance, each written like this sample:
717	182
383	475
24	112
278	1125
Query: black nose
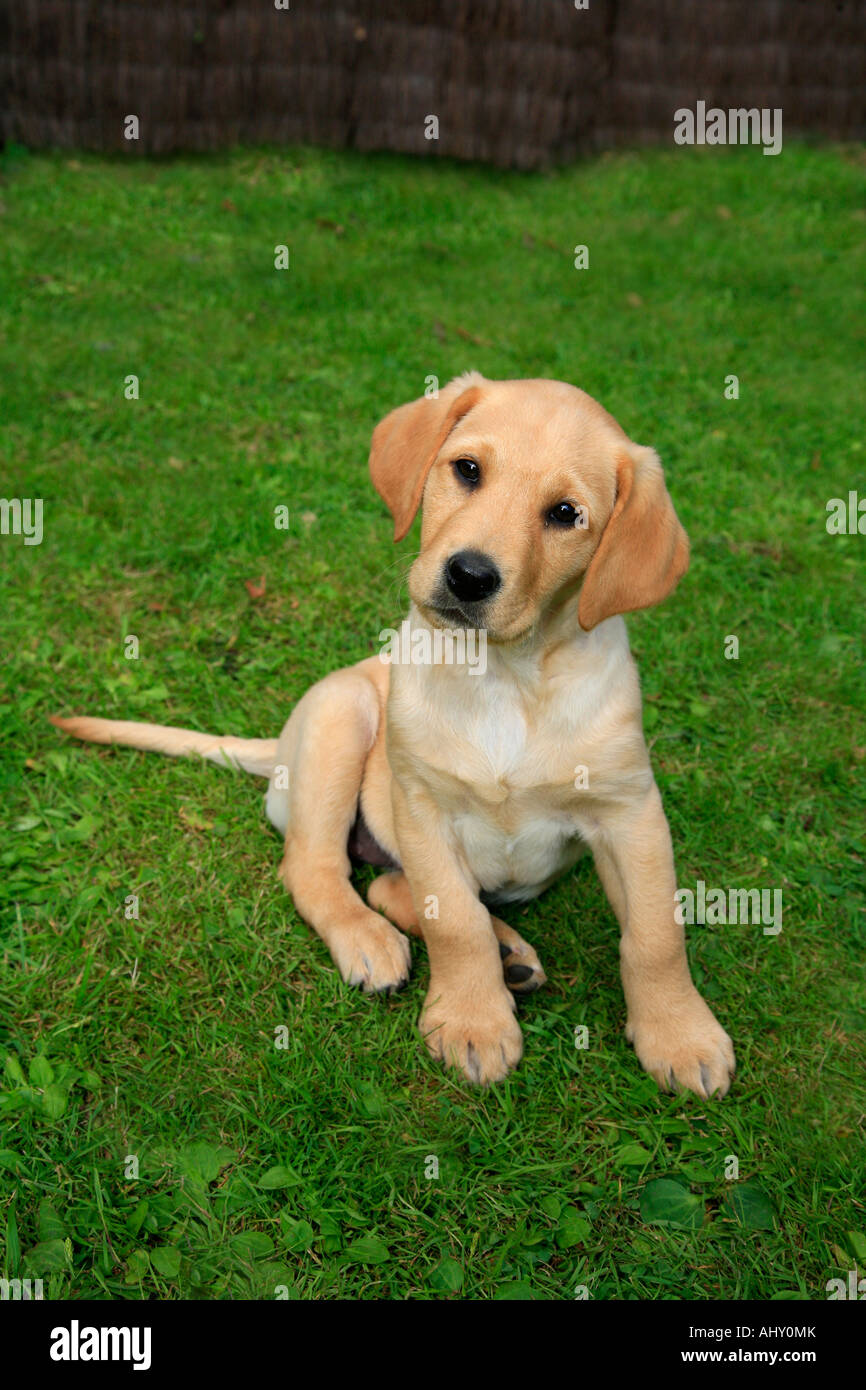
472	576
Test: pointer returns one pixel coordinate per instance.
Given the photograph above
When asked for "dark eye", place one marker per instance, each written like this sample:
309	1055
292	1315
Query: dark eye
564	514
468	470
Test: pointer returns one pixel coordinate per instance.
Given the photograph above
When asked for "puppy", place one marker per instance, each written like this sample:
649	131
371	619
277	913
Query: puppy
542	523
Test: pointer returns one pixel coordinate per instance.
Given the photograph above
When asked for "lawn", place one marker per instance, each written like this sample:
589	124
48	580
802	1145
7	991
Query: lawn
193	1104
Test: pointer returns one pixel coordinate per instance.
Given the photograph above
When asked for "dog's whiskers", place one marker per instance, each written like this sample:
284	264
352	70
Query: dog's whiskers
399	582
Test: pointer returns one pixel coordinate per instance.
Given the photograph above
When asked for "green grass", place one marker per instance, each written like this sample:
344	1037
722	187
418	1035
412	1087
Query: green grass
154	1036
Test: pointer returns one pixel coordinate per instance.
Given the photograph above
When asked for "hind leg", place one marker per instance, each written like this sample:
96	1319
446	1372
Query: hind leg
523	971
322	753
390	893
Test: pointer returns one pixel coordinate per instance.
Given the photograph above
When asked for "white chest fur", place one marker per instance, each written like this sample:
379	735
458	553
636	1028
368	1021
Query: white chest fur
519	758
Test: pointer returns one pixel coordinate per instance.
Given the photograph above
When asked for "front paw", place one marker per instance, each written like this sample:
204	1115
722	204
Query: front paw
474	1030
372	954
685	1048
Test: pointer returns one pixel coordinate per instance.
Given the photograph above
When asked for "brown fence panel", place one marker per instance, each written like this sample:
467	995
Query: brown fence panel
512	82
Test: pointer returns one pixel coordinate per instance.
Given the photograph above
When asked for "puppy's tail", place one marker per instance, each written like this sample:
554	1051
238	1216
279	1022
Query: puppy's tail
256	755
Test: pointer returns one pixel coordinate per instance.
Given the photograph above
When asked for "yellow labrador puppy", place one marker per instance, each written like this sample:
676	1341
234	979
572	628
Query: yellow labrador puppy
542	523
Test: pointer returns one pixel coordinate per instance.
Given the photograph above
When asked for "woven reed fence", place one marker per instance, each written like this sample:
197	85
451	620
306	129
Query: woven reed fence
513	82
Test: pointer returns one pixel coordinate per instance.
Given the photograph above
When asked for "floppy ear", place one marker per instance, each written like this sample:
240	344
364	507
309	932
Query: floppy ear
407	441
643	551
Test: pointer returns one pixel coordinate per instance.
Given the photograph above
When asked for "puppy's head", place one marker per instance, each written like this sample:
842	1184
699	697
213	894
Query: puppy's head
531	493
